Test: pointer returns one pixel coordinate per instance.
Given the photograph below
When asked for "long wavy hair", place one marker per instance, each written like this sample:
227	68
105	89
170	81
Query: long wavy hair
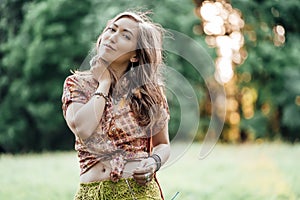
144	86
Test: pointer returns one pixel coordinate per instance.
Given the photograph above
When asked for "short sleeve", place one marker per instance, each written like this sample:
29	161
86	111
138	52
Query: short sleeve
72	92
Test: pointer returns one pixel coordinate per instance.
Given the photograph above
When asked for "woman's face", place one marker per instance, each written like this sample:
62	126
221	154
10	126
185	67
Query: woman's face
119	41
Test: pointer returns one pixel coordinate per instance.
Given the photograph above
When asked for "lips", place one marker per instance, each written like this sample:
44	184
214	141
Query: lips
110	47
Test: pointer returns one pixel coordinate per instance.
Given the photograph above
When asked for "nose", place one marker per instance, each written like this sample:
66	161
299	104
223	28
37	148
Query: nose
113	37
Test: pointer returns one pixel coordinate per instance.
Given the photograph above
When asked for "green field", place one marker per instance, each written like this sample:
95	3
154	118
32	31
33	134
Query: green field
230	172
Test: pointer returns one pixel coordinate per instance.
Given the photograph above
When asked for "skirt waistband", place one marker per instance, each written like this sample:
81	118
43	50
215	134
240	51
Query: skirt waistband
124	189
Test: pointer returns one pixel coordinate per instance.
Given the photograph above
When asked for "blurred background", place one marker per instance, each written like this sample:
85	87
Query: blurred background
255	45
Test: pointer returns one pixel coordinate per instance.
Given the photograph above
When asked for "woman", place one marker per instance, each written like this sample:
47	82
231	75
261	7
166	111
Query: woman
119	114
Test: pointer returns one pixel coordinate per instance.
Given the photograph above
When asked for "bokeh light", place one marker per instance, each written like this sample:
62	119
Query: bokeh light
297	100
279	35
222	24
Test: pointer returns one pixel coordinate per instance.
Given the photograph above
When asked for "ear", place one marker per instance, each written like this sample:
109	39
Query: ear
134	59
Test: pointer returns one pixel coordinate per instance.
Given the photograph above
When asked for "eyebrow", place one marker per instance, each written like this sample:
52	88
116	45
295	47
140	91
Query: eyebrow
126	30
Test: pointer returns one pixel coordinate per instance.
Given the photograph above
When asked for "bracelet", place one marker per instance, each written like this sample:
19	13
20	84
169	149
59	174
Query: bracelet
157	161
101	95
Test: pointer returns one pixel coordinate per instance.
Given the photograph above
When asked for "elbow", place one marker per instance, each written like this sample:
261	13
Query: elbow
163	150
168	150
79	129
78	122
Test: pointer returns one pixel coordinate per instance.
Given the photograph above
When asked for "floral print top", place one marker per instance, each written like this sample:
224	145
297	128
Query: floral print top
118	137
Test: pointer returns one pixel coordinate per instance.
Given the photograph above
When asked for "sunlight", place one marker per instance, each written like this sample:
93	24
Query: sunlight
279	35
213	28
248	100
222	24
224	69
209	10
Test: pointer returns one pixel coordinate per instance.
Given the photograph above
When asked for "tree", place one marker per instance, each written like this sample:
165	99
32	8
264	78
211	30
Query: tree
272	41
53	37
268	81
34	62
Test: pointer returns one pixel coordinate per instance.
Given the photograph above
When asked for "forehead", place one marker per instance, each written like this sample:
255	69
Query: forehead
127	24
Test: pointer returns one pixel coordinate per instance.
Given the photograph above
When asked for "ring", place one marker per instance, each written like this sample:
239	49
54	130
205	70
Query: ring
147	177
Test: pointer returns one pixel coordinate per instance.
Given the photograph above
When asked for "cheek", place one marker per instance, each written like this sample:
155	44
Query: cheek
127	46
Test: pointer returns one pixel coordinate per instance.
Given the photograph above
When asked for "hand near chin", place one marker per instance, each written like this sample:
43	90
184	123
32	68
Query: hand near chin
99	70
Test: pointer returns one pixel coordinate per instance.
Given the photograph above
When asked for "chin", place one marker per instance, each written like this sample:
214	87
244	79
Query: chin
106	57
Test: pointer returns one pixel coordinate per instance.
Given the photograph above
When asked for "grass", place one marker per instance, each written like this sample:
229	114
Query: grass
230	172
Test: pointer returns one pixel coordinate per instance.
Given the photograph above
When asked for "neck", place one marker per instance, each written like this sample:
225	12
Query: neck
118	69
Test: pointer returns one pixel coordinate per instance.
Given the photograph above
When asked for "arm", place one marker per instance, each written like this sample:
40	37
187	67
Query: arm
83	119
161	144
160	141
161	148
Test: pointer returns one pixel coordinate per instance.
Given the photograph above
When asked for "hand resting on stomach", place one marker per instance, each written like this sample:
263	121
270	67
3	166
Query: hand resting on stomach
101	171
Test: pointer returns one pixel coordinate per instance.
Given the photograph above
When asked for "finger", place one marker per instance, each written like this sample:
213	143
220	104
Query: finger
147	176
143	179
142	183
142	170
143	163
145	170
140	176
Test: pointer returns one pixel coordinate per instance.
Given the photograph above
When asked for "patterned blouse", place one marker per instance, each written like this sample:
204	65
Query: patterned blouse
118	137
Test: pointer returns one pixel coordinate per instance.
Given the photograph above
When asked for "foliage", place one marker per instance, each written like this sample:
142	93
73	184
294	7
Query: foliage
49	38
41	40
274	69
35	60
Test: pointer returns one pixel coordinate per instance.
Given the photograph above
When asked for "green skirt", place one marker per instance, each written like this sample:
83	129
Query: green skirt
124	189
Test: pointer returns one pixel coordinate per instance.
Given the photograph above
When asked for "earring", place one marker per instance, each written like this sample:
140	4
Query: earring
131	68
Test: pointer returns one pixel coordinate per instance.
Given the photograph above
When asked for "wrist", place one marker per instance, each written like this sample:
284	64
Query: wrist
103	87
152	163
104	82
100	94
157	161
